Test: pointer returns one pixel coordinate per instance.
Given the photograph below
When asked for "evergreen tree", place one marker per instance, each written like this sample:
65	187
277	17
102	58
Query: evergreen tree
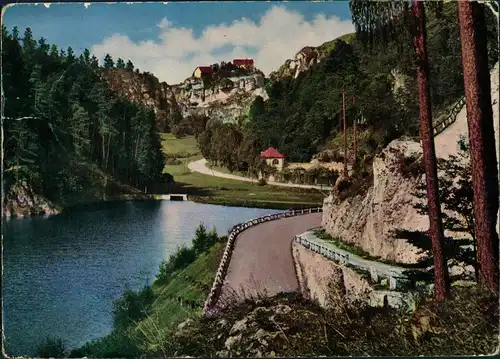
15	33
129	66
120	64
86	57
54	52
473	34
61	117
385	22
70	56
108	62
94	63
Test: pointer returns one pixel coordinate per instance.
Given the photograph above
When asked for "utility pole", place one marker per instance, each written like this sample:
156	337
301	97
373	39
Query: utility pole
346	173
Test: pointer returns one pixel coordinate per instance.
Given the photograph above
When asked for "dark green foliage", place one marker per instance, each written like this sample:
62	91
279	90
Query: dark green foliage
456	196
120	64
184	256
51	348
191	125
228	145
60	114
129	66
114	345
108	62
303	114
129	309
203	239
132	307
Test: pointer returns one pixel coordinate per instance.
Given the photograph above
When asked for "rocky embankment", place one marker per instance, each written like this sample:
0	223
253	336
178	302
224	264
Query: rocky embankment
21	201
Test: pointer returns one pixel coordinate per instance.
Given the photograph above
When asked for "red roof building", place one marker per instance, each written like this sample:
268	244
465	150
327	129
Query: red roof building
206	69
271	152
203	70
243	62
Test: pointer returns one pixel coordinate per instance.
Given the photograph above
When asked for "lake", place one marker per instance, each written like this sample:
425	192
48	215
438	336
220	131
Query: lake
62	273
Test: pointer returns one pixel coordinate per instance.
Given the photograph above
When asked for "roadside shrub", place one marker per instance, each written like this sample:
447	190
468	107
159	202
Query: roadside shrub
51	348
204	239
132	306
184	256
117	344
179	260
262	182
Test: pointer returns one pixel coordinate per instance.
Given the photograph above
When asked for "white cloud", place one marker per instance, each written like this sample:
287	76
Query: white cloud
164	23
277	36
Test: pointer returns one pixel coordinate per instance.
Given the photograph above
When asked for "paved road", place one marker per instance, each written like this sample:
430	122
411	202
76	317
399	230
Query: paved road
262	260
200	166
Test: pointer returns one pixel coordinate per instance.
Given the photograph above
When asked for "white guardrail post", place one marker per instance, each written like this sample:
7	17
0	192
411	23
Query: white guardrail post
226	257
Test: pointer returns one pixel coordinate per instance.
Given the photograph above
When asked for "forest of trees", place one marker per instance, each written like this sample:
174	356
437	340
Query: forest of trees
60	115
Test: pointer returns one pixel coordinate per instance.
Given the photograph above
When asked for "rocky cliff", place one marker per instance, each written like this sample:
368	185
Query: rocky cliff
225	99
145	89
368	219
306	58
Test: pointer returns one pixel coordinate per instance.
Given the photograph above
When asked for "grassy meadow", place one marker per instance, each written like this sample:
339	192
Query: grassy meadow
210	189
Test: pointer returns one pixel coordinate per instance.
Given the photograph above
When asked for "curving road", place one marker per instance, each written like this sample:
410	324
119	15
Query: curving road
262	261
201	167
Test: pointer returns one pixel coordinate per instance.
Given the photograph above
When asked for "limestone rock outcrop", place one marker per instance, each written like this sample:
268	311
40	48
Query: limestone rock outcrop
146	90
369	219
226	100
21	201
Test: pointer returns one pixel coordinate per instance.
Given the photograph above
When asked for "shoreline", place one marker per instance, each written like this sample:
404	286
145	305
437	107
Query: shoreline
235	202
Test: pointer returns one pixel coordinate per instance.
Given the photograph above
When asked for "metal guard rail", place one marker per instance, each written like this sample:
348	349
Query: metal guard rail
233	233
442	125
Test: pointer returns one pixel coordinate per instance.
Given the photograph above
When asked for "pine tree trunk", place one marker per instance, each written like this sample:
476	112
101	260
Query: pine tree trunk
136	146
481	138
107	152
427	136
103	145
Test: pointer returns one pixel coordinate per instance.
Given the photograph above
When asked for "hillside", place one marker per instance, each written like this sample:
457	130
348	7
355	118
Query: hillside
302	116
224	95
70	137
308	57
146	90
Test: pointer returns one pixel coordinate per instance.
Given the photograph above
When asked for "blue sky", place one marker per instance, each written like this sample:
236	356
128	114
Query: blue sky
171	39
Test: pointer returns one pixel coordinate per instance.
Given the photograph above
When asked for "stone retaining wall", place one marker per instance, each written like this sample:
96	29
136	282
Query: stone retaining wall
231	240
377	270
320	265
